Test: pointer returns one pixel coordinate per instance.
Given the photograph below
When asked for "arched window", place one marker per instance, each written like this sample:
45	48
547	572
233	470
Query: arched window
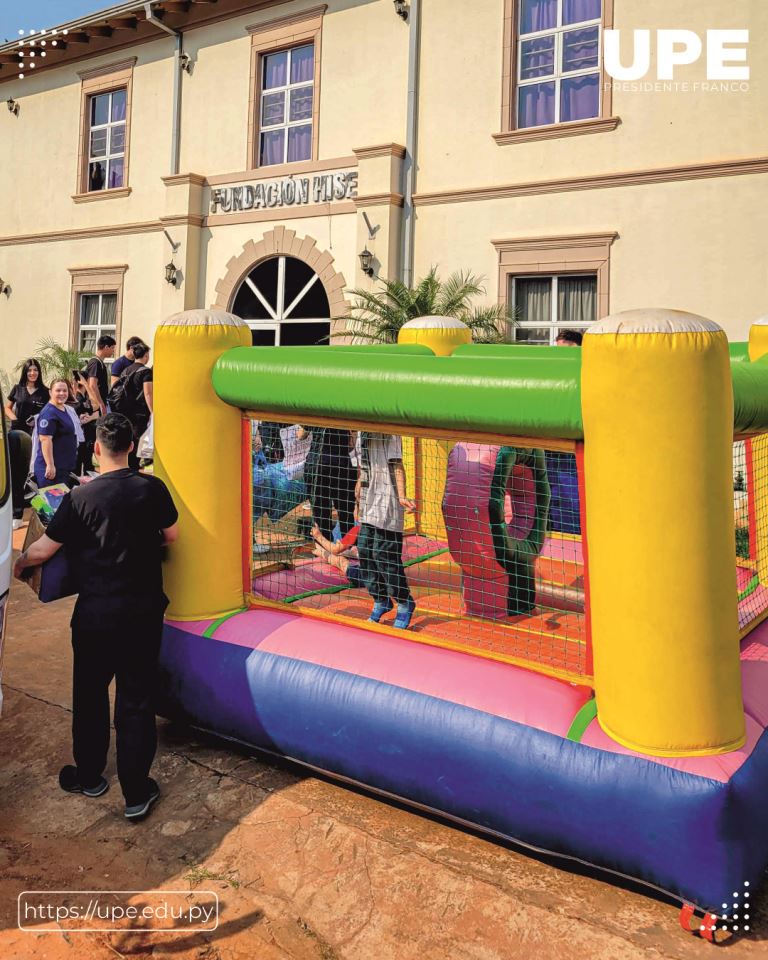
284	303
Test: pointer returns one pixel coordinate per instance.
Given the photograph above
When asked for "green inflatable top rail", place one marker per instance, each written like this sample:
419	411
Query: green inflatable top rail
482	388
406	386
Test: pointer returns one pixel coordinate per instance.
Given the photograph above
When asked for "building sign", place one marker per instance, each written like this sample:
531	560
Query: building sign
285	192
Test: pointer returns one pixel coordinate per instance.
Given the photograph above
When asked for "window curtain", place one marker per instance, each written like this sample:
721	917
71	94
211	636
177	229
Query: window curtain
577	11
299	143
109	310
118	106
303	64
275	70
580	49
536	104
533	299
116	170
537	57
580	98
538	15
577	300
272	147
89	318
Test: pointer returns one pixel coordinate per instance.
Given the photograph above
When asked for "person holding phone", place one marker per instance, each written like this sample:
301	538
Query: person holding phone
83	407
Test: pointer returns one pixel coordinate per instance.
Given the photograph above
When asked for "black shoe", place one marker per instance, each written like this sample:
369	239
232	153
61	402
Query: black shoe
137	811
68	781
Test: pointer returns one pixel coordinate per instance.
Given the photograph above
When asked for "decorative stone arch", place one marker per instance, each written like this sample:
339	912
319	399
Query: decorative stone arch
282	241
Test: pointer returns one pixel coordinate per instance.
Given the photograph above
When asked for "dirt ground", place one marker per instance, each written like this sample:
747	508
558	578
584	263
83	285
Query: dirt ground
304	869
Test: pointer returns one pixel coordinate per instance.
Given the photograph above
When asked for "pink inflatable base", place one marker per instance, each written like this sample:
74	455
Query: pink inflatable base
497	688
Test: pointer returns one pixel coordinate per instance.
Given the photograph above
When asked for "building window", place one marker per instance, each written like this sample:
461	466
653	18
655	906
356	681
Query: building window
553	82
287	94
284	303
558	61
98	317
105	132
284	115
547	304
106	140
553	283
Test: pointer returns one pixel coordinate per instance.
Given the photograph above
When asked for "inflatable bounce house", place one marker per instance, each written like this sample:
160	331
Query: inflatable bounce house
584	534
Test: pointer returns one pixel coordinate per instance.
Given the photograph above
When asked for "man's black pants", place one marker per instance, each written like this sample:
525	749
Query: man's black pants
130	656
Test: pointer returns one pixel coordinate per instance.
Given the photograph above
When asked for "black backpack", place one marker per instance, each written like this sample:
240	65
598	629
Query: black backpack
122	397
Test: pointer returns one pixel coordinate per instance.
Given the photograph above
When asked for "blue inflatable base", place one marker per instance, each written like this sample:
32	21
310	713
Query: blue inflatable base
694	838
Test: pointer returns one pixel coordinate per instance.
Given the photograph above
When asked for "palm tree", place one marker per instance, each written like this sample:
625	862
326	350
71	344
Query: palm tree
56	360
377	317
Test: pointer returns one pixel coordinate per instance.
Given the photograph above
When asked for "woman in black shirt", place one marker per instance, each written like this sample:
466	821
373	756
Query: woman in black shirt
27	398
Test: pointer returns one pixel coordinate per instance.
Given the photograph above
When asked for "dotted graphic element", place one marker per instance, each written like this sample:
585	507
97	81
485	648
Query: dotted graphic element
735	906
37	38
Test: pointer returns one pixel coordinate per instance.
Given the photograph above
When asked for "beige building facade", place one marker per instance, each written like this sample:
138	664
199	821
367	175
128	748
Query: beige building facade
186	153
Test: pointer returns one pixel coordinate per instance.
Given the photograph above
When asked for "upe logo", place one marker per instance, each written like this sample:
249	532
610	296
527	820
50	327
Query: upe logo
679	48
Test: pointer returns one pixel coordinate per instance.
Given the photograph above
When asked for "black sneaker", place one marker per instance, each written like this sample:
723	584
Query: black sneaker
137	811
68	781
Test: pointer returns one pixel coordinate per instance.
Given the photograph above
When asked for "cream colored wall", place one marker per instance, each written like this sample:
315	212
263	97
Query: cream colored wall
364	80
39	305
362	97
696	245
38	149
461	101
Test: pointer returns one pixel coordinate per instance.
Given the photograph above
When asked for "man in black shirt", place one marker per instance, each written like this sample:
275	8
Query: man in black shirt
138	396
96	374
114	529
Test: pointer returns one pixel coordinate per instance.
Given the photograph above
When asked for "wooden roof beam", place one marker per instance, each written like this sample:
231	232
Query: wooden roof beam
123	23
100	31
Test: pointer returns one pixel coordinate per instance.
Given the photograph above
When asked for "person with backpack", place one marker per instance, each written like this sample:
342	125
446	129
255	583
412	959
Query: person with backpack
96	374
124	361
132	396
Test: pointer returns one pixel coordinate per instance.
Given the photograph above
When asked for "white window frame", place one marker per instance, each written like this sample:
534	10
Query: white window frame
558	75
286	91
109	156
101	328
280	314
553	324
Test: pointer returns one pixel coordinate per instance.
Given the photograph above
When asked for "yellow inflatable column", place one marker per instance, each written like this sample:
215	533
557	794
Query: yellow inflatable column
430	457
441	334
198	455
758	338
758	347
657	402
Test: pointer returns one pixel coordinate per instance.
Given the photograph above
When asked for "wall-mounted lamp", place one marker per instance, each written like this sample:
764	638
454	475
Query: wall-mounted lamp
401	9
185	62
13	106
366	262
170	273
4	287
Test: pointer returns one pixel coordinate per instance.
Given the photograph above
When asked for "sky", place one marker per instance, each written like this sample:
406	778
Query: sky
29	15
